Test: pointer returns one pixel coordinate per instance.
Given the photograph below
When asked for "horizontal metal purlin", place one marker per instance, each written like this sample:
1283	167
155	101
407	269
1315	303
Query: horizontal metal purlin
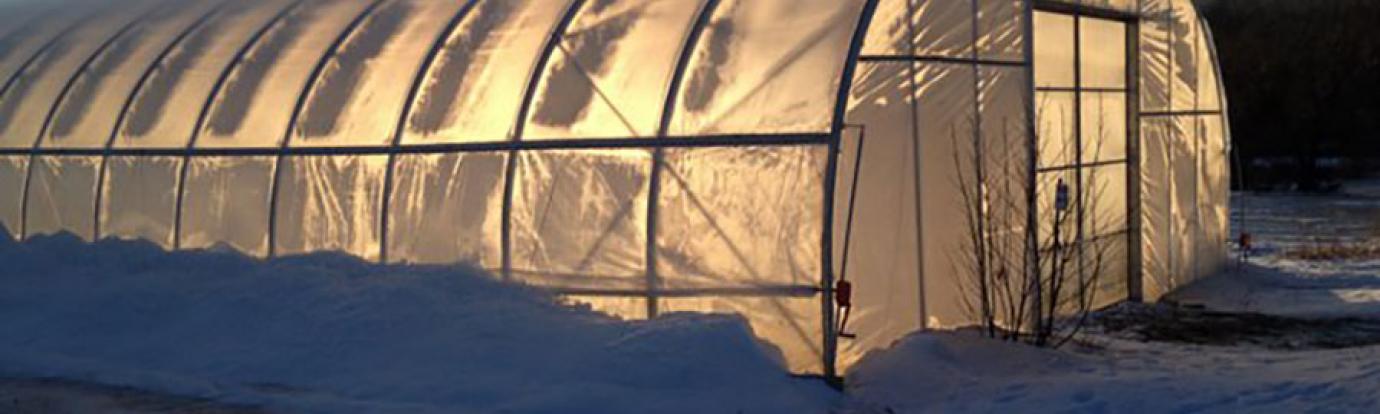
1160	114
758	140
1082	166
939	59
1083	10
1083	89
791	291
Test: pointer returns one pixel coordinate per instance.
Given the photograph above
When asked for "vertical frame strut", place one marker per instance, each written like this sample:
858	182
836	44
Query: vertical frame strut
57	104
687	51
510	169
307	87
417	81
205	111
133	94
830	185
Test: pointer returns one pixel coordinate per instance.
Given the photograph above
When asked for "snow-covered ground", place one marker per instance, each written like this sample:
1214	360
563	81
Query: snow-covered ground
328	333
129	328
1109	372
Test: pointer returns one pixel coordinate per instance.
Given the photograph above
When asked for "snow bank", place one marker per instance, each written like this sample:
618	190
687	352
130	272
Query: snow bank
961	372
329	333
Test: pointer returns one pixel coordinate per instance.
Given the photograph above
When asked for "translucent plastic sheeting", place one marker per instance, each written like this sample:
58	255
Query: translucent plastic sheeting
883	262
1102	53
741	217
12	171
1105	189
359	97
1105	270
257	101
794	326
1209	89
62	196
1001	29
1056	116
26	38
447	208
1214	189
580	218
1185	49
1184	163
1104	126
1154	41
139	198
225	203
947	121
767	65
1054	51
474	89
87	113
934	28
26	105
610	75
1156	187
165	110
330	203
1005	144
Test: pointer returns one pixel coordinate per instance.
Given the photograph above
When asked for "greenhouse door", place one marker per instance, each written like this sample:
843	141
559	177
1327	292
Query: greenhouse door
1081	104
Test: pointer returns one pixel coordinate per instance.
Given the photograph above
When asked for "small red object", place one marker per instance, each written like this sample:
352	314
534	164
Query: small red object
843	294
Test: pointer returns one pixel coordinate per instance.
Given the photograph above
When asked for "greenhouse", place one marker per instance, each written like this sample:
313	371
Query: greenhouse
640	156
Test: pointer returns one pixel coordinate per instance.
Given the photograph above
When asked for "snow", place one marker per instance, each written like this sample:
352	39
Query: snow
329	333
1114	372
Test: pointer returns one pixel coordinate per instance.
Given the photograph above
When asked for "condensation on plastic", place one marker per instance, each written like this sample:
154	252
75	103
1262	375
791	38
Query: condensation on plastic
749	70
87	114
62	196
883	263
447	208
474	88
792	325
29	100
330	203
359	96
225	203
581	214
257	101
139	198
1054	51
610	75
165	110
12	172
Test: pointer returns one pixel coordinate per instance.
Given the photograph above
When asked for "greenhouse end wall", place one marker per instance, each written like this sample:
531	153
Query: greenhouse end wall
638	156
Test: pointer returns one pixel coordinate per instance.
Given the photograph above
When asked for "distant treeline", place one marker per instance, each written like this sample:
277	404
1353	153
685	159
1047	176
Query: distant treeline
1303	80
